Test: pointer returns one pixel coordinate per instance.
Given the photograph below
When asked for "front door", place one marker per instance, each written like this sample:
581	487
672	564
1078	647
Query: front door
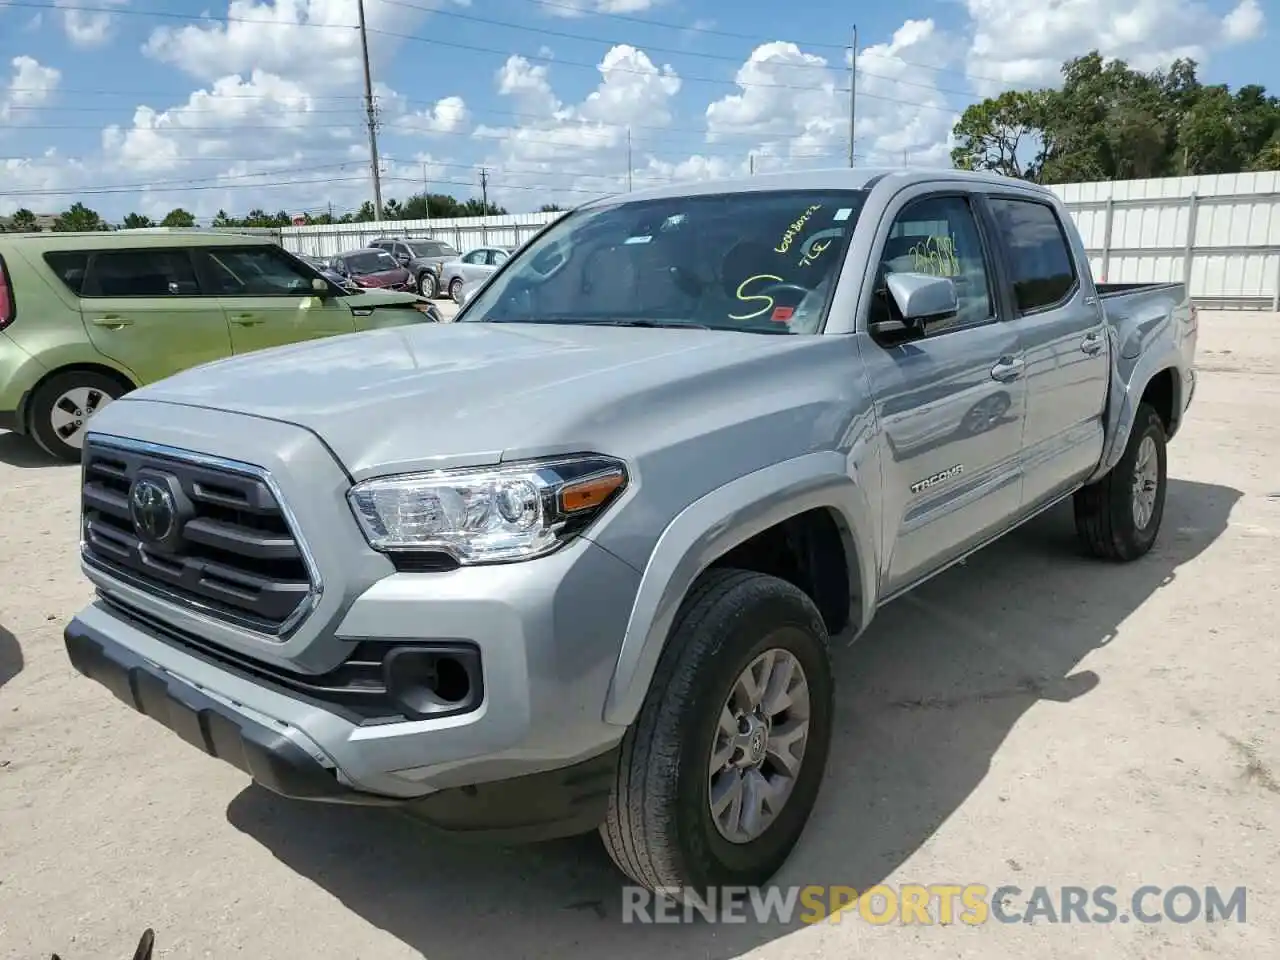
268	298
951	401
1062	328
146	309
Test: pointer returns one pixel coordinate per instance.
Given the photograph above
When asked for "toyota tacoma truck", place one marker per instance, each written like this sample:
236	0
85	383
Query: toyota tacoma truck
574	562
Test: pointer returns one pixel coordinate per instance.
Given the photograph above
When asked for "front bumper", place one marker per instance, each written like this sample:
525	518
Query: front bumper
560	802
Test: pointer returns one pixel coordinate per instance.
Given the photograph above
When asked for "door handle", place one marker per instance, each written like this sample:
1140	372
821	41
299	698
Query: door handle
246	320
111	322
1091	344
1007	369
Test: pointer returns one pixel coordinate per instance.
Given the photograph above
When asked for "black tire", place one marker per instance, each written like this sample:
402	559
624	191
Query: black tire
427	284
101	389
455	291
659	829
1104	511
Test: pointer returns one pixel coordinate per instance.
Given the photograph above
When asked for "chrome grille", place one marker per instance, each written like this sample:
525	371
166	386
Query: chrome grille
230	551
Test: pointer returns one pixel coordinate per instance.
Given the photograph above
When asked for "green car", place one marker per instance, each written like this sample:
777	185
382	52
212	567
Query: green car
87	317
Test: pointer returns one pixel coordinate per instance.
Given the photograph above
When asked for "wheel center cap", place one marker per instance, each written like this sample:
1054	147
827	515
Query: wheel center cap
754	742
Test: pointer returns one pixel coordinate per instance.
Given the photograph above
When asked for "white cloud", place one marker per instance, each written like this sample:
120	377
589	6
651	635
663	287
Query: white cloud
31	85
29	182
266	110
632	90
570	150
582	8
88	28
1024	42
1245	22
298	39
796	106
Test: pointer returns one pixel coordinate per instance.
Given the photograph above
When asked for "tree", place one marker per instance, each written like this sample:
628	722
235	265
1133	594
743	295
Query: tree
1111	122
79	219
1268	157
24	221
178	218
136	221
550	208
1006	134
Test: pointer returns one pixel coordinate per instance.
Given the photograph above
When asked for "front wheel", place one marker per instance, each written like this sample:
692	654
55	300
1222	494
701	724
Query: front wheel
1118	517
427	284
62	407
455	290
720	771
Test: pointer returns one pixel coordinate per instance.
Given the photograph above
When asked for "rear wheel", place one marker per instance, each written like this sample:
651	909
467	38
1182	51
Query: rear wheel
720	771
62	407
1118	517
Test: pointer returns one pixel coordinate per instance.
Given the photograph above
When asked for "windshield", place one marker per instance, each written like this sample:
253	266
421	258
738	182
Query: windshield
755	262
370	261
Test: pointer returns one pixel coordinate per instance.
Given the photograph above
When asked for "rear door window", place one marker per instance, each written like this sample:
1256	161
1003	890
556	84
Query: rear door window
1044	272
140	273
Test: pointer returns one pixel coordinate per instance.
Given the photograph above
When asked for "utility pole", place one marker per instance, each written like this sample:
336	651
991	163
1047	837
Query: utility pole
751	163
484	190
853	92
628	159
371	114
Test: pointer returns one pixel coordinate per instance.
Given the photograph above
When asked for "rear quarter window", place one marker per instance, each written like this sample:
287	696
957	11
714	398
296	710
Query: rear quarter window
70	267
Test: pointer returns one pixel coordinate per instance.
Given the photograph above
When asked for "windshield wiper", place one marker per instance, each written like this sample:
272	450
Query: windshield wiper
652	323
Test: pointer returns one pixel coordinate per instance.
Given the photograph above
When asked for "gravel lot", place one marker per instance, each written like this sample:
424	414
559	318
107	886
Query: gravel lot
1028	718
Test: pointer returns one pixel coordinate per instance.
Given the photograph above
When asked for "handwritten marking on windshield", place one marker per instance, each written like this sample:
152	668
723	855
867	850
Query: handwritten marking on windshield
793	231
813	253
768	300
937	256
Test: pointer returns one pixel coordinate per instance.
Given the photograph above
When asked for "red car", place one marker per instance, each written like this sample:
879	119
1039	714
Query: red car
372	268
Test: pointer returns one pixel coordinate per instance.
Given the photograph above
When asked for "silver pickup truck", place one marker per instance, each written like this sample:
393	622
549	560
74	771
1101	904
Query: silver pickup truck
573	562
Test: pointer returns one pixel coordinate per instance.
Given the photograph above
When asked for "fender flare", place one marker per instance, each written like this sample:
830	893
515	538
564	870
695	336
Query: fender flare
1124	398
716	523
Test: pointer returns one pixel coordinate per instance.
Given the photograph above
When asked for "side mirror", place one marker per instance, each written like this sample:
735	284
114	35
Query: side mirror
919	297
469	291
320	287
402	259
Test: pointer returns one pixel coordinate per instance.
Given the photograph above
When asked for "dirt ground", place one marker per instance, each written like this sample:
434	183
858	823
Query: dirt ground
1029	718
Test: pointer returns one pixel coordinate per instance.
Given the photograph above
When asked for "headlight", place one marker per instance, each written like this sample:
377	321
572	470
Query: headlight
512	512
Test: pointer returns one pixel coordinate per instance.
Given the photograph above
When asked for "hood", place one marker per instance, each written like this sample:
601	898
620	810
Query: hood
378	297
383	278
463	394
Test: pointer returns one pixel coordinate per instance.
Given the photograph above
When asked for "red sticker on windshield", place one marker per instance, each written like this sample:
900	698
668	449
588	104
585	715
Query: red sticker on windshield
782	314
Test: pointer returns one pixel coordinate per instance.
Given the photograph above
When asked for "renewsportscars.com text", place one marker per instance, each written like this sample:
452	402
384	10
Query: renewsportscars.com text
928	904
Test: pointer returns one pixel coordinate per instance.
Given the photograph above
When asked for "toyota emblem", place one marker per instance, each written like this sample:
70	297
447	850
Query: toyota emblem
153	510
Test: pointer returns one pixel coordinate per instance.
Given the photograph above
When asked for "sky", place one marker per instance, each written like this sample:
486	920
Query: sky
146	105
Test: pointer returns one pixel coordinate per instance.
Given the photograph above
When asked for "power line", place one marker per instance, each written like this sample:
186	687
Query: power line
681	28
168	14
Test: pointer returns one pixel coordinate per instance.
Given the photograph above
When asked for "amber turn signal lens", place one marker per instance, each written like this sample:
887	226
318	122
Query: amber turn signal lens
589	493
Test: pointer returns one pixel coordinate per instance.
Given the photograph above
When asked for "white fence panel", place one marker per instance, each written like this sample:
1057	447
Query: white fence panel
1219	234
327	240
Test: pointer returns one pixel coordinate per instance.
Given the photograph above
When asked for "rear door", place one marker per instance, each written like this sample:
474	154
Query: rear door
1062	328
147	310
475	264
268	298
